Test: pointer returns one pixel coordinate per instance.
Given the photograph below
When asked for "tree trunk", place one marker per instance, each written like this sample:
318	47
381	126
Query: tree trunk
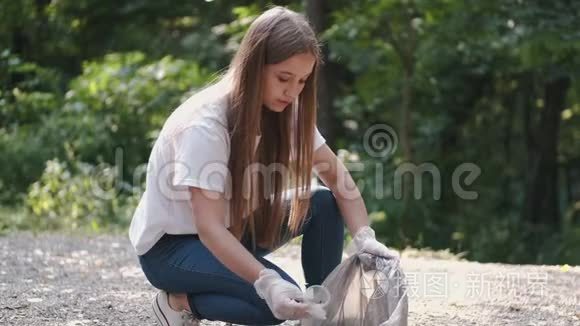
541	205
317	12
406	128
406	122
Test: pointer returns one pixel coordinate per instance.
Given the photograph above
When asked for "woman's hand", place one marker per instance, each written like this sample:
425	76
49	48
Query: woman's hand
365	242
284	298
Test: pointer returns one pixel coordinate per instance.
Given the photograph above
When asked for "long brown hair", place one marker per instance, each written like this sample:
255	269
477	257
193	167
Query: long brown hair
274	36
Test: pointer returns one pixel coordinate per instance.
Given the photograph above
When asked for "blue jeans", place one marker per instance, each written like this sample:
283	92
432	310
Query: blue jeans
182	264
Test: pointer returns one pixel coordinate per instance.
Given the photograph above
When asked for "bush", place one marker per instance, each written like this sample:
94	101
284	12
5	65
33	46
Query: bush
27	91
118	103
79	197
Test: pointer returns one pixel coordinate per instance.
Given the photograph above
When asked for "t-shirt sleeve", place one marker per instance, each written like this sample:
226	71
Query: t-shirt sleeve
200	159
318	139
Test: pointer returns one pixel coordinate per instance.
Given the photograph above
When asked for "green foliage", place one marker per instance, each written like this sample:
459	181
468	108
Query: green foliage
470	61
29	94
22	160
13	219
128	99
113	110
27	91
76	197
75	87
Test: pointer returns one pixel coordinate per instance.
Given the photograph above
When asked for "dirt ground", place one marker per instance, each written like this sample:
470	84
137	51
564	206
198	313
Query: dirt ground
57	279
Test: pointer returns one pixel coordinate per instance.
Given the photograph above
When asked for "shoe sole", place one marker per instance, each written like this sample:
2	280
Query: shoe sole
158	313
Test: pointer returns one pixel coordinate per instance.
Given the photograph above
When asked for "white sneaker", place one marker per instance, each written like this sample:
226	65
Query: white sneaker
169	317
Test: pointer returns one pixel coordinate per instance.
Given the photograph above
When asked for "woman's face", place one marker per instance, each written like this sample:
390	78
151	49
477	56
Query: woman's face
283	81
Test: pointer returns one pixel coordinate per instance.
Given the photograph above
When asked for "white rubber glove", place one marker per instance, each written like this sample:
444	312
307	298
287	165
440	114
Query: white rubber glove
365	242
317	297
286	300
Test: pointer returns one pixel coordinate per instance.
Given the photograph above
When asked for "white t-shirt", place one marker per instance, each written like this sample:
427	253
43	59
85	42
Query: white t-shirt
192	149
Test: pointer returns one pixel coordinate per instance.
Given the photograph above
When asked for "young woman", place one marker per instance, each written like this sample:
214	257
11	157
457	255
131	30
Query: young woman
229	181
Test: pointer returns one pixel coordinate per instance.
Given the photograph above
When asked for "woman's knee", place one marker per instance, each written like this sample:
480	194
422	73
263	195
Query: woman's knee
324	204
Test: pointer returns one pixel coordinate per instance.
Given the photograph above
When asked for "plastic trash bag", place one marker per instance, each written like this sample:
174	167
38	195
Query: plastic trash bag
362	291
317	297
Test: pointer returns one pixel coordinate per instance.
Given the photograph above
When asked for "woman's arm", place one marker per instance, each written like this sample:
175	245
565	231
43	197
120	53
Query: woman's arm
209	208
338	179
